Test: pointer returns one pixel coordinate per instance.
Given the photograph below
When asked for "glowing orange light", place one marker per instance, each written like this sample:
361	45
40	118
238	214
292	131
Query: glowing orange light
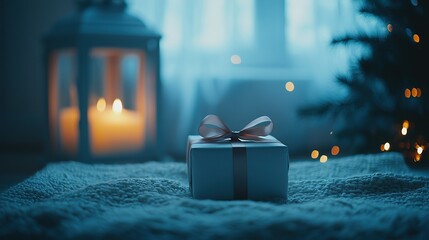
404	131
419	92
314	154
323	158
335	150
416	38
289	86
417	158
389	27
406	124
407	93
382	147
414	92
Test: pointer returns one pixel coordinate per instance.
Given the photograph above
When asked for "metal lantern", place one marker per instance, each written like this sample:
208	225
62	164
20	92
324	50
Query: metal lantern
103	84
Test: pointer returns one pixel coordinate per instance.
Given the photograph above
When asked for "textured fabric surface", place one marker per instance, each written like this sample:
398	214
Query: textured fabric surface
363	197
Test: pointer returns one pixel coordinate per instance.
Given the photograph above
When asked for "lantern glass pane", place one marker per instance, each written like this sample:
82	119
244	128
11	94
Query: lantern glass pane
63	101
116	101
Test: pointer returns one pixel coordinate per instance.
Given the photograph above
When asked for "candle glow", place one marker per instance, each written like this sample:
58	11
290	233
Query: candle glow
110	131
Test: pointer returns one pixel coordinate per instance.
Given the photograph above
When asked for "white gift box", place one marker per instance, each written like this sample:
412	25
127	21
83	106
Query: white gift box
227	170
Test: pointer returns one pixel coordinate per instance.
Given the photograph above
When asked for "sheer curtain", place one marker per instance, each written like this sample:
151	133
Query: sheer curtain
208	45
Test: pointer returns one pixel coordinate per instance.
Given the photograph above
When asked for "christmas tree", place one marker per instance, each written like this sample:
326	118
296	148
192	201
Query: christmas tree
387	107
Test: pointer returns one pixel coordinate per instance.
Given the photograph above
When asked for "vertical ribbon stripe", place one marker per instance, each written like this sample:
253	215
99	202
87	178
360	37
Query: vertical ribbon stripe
239	159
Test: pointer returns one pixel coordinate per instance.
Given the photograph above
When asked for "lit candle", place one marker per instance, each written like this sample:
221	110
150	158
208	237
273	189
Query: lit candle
111	130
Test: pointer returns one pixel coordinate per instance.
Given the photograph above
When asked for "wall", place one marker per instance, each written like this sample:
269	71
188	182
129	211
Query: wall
22	25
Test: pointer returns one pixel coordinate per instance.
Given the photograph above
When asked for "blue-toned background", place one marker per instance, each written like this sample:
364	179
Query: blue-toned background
231	58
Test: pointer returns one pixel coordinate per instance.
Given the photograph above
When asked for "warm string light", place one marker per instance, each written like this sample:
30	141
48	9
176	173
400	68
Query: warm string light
414	92
385	147
416	38
289	86
323	158
419	151
335	150
405	126
314	154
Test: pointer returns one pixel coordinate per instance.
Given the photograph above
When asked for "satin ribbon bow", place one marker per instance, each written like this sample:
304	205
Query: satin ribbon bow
212	128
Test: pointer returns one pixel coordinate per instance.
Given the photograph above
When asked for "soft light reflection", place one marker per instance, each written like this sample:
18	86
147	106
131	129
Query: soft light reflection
289	86
386	146
101	104
404	131
416	38
406	124
323	158
314	154
335	150
235	59
417	158
414	92
407	93
117	106
419	92
419	150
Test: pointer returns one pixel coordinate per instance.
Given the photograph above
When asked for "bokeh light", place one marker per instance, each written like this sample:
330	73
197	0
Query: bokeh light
235	59
414	92
406	124
404	131
101	104
335	150
419	150
117	106
419	92
289	86
416	38
407	93
389	27
323	158
314	154
386	146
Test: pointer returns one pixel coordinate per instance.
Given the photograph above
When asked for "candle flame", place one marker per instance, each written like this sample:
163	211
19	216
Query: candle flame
117	106
101	104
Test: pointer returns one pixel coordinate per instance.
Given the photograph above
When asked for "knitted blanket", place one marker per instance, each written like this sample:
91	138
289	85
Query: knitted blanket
363	196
